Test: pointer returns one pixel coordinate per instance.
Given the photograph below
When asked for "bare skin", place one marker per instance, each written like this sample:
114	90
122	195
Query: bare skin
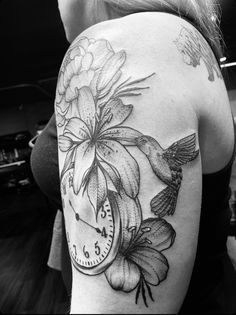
134	138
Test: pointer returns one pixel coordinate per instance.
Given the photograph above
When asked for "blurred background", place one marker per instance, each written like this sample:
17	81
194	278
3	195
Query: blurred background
32	45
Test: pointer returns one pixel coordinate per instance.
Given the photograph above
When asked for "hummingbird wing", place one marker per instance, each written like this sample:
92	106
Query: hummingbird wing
182	151
178	154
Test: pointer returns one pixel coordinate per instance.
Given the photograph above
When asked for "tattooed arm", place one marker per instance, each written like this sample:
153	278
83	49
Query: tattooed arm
130	170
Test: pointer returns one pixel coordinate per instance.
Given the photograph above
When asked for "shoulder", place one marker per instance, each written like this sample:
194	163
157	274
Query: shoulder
187	85
164	42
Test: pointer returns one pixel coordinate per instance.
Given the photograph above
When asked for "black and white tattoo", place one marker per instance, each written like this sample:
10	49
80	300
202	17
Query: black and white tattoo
166	164
100	178
194	49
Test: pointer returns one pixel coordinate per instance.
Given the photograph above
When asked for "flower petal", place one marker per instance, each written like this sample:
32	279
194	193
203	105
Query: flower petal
82	79
87	107
65	61
101	51
60	119
110	69
79	42
64	143
123	275
59	97
154	266
68	164
97	188
71	94
78	63
72	69
93	84
84	42
60	85
78	128
130	214
117	111
103	93
112	177
73	138
84	157
73	110
116	155
62	106
158	233
124	135
87	62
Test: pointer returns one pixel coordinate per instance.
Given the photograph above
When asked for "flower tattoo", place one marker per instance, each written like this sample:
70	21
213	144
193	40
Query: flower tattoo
92	113
140	262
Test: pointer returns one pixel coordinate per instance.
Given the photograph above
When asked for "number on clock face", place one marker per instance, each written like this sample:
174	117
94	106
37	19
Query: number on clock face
93	242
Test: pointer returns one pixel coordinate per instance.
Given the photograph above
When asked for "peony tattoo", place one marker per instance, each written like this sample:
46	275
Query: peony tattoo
100	178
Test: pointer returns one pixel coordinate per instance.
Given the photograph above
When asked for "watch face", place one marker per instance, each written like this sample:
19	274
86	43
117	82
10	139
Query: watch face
93	238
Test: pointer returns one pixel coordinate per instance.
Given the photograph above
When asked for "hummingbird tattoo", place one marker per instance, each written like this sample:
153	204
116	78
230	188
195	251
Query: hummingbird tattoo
167	165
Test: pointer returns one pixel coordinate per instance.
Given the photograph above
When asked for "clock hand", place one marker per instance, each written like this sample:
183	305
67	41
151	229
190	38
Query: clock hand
78	218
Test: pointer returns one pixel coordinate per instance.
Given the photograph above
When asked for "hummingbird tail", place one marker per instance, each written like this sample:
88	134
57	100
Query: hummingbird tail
164	203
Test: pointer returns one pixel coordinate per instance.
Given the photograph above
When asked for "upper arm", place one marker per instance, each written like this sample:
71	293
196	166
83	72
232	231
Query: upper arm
131	175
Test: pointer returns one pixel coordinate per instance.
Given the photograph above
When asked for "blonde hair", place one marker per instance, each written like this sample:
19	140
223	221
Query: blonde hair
203	14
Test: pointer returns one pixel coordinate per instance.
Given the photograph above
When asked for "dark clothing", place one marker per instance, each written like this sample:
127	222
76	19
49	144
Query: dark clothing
213	284
44	163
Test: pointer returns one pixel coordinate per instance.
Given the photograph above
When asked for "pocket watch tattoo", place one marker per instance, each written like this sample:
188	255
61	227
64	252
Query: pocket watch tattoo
106	231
